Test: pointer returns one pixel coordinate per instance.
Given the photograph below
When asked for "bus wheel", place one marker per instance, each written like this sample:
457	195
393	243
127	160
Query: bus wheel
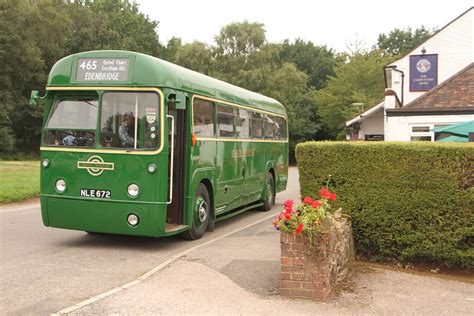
201	214
269	199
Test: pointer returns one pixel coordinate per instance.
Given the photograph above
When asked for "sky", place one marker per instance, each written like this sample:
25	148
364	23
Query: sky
334	23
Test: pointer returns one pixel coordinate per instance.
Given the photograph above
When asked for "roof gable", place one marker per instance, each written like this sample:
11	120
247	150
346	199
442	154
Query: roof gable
418	48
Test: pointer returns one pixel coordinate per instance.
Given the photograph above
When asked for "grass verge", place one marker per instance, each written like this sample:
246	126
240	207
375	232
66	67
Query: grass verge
19	180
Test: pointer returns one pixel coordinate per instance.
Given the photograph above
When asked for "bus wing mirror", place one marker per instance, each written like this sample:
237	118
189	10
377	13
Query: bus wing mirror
180	100
34	97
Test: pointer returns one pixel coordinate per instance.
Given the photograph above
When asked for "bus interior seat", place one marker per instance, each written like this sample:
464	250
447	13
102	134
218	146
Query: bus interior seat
108	139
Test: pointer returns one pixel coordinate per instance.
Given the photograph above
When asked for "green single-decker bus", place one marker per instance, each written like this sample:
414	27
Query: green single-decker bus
135	145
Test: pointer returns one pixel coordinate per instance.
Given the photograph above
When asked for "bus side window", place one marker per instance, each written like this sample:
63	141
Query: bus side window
269	127
242	123
280	128
203	118
225	121
256	126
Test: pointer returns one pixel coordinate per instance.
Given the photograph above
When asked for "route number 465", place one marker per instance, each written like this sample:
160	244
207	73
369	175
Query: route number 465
89	65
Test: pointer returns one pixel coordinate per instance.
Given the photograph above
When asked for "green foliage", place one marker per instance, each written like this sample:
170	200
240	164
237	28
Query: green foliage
35	34
120	25
20	180
359	80
7	139
400	42
408	201
240	39
196	56
318	62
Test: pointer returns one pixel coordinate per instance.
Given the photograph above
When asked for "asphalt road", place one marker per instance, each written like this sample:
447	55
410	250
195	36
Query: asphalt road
44	270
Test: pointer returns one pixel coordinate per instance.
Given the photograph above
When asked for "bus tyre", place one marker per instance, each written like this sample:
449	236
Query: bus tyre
201	214
269	194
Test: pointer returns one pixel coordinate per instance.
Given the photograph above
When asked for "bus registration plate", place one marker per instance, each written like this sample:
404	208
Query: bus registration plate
101	194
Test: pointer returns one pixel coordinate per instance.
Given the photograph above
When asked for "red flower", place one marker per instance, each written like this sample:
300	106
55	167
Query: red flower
307	200
299	229
325	194
288	204
274	222
316	204
287	217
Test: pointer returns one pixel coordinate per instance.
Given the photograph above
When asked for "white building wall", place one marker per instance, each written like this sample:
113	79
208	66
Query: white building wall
399	128
455	48
372	125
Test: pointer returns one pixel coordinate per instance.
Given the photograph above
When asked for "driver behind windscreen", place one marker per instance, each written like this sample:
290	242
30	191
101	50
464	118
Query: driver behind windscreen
126	130
69	140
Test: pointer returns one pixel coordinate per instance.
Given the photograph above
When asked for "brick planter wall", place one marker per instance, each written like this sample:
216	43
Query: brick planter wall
311	271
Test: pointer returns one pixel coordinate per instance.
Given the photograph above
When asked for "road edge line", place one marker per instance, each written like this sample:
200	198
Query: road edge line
152	272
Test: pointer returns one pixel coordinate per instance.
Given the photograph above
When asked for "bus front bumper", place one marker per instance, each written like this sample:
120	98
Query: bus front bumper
103	216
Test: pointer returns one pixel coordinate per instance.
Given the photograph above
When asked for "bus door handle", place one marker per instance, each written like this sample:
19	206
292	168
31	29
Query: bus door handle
171	147
243	173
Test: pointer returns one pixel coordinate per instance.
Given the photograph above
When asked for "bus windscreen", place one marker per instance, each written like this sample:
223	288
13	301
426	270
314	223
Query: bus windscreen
72	123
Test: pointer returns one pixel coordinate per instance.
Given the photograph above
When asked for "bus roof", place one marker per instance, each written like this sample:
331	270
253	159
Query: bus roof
147	71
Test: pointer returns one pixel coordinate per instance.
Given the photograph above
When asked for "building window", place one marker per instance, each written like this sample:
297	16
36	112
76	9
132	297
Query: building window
420	138
420	129
374	137
422	133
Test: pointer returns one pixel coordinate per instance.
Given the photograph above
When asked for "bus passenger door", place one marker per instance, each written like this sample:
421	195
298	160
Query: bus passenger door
177	155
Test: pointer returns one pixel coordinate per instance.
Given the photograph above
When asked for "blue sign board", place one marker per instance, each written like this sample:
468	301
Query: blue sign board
423	72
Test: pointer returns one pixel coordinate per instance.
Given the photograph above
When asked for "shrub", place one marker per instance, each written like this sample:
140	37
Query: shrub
408	201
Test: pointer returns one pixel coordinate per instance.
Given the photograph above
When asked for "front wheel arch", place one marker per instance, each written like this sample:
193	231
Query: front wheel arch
201	213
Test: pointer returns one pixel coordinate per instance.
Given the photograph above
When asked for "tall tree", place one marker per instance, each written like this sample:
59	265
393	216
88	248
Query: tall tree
23	68
114	24
235	45
196	56
35	34
401	41
240	39
318	62
359	80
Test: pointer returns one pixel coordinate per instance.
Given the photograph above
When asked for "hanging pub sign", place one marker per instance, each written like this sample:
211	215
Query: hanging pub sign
423	72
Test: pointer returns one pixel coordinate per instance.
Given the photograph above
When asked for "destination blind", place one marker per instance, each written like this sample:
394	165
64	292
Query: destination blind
102	69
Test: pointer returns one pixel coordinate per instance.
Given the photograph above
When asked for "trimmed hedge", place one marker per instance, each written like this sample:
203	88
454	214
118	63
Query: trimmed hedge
408	201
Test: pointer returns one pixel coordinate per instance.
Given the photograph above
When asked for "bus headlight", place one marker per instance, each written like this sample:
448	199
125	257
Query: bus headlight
133	190
61	186
132	220
151	168
45	163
